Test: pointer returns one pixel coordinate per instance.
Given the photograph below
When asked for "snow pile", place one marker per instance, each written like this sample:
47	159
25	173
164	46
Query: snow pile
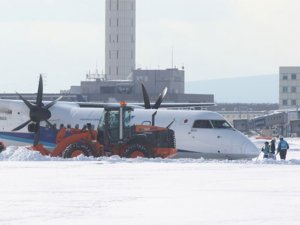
13	153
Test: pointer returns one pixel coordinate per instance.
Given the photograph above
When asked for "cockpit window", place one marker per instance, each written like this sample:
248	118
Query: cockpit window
202	124
220	124
211	124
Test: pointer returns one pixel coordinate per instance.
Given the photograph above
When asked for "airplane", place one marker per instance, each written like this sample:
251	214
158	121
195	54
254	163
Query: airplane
199	133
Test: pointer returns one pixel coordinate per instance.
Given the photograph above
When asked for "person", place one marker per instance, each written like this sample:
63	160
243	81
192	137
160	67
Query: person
68	131
272	149
76	129
54	127
61	133
282	148
266	150
2	146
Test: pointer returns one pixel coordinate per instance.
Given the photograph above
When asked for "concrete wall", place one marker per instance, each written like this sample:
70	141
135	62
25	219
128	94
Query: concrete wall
156	80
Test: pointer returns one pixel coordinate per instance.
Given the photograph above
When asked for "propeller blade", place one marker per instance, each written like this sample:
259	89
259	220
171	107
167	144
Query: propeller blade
38	112
53	103
160	98
146	97
37	134
39	97
22	125
29	105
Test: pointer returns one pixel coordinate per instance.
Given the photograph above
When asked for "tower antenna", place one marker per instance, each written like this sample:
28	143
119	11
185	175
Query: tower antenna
172	58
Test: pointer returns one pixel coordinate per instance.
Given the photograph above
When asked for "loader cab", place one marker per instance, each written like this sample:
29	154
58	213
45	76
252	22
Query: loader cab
114	124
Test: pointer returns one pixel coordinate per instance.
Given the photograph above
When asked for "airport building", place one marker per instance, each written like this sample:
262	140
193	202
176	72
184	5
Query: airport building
119	39
289	87
285	121
97	88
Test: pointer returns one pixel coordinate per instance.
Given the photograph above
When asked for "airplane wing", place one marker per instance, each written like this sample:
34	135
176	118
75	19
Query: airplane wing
141	105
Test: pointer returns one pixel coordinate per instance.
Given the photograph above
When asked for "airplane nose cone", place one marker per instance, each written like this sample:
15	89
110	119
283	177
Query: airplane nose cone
250	149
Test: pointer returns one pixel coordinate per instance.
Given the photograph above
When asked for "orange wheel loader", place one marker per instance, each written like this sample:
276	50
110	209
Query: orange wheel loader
115	136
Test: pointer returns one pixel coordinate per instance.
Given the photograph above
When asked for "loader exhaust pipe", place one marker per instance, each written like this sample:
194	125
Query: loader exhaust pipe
153	118
121	124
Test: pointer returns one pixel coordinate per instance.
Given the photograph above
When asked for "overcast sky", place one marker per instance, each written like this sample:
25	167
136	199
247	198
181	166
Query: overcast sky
64	39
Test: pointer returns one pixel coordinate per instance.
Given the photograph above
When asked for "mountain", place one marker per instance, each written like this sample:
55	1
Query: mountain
254	89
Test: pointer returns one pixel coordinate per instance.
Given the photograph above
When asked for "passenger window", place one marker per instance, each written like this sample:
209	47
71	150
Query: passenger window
202	124
220	124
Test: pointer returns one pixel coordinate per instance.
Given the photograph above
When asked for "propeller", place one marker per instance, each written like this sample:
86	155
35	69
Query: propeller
38	112
159	100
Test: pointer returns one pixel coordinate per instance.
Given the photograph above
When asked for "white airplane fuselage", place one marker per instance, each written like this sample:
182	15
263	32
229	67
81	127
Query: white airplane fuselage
192	141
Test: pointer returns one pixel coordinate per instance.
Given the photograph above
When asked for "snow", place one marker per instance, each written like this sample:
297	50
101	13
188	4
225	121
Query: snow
42	190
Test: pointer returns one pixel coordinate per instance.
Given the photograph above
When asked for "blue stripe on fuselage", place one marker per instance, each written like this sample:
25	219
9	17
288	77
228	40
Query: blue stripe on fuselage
185	151
47	137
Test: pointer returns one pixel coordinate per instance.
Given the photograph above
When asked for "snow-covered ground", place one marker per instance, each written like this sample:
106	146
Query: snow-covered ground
42	190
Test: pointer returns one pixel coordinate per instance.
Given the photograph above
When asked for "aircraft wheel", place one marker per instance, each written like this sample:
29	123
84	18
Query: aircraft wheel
137	150
75	150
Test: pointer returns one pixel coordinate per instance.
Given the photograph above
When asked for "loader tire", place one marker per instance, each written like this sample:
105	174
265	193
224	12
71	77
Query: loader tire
137	150
76	149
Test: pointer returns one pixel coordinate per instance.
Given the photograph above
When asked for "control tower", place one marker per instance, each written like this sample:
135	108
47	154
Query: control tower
119	39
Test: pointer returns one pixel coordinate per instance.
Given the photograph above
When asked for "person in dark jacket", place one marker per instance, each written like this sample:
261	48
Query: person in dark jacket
272	149
282	148
266	150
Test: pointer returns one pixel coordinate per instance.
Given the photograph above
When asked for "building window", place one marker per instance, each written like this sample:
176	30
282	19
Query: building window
117	38
294	77
117	4
284	77
117	70
284	89
110	22
117	22
293	102
293	89
132	6
110	5
110	54
109	70
110	38
284	102
117	54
